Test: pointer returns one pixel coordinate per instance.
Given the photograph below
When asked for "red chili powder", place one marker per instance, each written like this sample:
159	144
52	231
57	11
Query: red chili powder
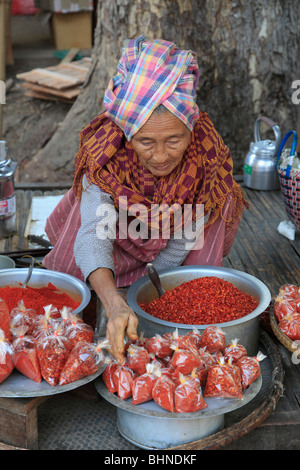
37	298
202	301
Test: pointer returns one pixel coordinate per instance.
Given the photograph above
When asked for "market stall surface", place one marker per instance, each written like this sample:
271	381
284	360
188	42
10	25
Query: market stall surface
82	420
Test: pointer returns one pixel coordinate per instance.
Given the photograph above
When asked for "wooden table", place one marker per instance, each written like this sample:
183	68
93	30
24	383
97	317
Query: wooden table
258	250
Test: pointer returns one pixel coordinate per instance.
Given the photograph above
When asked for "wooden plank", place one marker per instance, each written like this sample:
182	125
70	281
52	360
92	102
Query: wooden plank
61	76
68	93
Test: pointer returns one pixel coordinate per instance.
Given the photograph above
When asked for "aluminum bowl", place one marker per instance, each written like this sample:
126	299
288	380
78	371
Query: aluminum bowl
245	328
72	286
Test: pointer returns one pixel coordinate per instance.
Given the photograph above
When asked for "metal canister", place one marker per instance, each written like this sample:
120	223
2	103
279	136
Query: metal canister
7	193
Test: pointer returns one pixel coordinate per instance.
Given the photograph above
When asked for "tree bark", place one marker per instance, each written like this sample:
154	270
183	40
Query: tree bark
248	59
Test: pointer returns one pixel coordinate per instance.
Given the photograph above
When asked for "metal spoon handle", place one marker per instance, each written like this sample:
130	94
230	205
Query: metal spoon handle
153	274
29	273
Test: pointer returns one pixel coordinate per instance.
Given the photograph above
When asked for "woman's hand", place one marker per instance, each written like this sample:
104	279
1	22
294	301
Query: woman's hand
121	318
121	321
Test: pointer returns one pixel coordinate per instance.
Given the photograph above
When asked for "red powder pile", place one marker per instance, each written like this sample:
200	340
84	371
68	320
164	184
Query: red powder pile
37	298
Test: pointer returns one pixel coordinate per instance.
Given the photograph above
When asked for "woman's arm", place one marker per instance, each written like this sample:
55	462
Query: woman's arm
121	318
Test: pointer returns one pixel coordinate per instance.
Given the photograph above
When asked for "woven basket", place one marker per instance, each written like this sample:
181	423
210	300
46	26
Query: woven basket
282	337
290	190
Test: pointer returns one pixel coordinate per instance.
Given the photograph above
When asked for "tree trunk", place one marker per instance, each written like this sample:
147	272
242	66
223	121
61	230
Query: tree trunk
247	55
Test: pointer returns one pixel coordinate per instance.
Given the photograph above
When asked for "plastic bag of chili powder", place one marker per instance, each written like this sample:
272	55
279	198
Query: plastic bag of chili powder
44	324
24	354
284	306
290	325
79	331
221	382
53	352
163	393
213	338
250	368
6	363
142	386
234	350
108	376
188	395
137	358
85	359
184	361
123	378
159	346
21	315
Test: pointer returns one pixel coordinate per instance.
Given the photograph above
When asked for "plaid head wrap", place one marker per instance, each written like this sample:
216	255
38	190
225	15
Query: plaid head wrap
150	74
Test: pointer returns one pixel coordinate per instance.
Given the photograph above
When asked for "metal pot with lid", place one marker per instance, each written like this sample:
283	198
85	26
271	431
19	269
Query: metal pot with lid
7	193
260	163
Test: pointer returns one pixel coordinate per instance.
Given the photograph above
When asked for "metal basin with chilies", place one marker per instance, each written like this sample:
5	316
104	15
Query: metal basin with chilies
245	329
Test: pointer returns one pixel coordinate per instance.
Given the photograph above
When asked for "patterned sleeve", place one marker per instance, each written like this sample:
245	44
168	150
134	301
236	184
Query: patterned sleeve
93	247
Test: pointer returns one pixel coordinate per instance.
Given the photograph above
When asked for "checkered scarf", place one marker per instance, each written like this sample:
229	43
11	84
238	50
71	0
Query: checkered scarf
204	175
150	74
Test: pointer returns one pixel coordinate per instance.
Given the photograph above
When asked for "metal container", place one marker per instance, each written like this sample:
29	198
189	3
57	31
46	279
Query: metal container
149	426
7	193
74	287
245	328
260	163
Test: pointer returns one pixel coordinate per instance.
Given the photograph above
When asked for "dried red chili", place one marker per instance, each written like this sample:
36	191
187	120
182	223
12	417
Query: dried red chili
234	350
142	386
250	368
221	382
37	298
290	325
53	352
78	331
213	339
84	359
188	396
205	300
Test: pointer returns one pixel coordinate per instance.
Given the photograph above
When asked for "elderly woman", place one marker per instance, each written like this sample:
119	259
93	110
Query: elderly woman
151	148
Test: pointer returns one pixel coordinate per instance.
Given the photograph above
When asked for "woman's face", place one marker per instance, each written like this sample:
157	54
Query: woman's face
161	143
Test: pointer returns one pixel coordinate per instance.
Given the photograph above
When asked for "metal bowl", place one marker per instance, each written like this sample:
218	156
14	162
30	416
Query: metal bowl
74	287
245	328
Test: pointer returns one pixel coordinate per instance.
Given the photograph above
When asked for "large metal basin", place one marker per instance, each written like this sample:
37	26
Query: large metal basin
74	287
245	329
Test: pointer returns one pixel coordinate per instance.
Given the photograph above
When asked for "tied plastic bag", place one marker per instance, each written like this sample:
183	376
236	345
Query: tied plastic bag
108	376
213	338
234	350
290	325
142	386
137	358
289	290
20	315
184	361
163	393
85	359
123	378
5	319
24	355
6	351
53	352
77	331
250	368
184	341
283	306
221	382
44	324
188	395
159	346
